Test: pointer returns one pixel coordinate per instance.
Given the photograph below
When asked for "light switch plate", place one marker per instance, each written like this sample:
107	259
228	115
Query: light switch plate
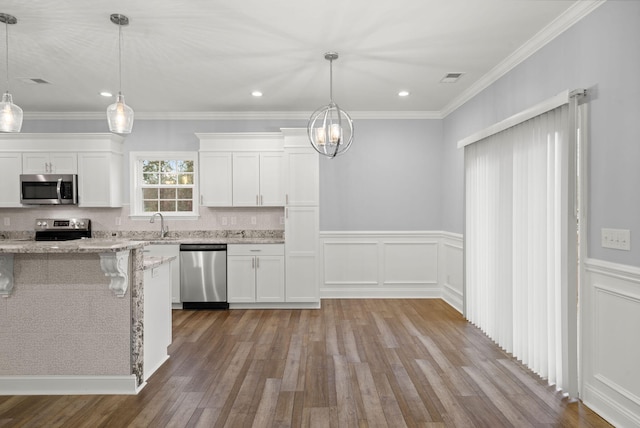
7	221
618	239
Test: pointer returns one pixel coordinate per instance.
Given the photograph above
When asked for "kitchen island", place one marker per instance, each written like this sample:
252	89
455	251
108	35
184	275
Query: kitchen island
72	316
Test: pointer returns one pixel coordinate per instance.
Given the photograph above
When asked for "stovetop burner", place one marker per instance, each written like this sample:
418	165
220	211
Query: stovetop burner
50	229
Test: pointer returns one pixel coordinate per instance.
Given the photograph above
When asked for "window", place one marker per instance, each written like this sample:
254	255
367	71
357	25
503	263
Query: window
164	182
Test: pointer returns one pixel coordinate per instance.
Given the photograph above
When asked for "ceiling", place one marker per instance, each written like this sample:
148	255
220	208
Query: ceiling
207	56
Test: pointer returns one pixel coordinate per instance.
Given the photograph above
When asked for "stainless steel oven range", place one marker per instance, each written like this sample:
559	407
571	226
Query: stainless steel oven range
59	229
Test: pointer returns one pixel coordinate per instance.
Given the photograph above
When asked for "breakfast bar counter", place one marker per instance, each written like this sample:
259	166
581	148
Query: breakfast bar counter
72	316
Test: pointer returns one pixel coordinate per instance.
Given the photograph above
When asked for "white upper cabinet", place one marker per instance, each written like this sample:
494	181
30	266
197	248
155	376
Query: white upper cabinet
257	179
99	179
10	169
49	163
215	179
301	177
241	169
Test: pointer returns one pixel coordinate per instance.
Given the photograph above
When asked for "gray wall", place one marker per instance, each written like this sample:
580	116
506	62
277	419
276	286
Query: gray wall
388	180
600	53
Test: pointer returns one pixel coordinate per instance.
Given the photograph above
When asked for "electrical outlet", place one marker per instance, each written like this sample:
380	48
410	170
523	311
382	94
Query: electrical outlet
224	221
618	239
233	220
118	221
254	220
281	220
7	221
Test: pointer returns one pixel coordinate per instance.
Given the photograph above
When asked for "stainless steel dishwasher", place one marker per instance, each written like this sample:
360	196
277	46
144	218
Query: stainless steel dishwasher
203	276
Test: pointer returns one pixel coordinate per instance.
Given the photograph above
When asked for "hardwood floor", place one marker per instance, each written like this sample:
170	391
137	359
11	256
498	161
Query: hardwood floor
354	363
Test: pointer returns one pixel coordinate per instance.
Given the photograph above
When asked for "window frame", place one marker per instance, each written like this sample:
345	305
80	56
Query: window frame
136	183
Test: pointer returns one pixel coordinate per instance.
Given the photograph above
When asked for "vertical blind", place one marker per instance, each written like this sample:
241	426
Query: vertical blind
518	238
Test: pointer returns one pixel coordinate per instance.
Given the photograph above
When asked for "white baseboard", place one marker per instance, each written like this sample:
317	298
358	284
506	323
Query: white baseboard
69	385
392	264
283	305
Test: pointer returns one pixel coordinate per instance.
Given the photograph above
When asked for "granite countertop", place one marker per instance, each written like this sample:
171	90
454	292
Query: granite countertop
91	245
151	262
233	240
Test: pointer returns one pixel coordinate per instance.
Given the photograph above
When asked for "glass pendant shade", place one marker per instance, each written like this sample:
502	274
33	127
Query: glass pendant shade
330	129
120	116
10	115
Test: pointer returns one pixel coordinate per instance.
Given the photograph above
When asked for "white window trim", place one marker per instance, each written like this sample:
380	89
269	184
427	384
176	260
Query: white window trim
135	197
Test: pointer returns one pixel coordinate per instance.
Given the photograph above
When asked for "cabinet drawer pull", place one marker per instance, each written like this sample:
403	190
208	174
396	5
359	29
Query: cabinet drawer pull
255	250
257	262
261	201
257	200
286	199
253	263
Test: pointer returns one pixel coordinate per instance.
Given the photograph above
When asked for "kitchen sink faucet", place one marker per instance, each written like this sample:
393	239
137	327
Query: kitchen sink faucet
163	230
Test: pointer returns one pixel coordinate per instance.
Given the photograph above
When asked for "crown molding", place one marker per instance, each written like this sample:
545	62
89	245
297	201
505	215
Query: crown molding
573	14
233	115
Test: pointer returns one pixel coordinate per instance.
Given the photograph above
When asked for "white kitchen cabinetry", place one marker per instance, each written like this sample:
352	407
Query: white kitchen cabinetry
157	318
99	179
168	250
301	226
255	273
257	179
10	170
215	179
49	163
301	177
95	157
241	169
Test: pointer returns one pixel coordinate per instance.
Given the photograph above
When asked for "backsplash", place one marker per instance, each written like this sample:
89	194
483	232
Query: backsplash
107	221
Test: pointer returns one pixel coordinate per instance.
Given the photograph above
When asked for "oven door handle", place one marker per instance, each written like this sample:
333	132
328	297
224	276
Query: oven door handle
58	190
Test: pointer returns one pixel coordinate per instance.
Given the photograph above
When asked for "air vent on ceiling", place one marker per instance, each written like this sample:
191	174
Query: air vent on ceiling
33	80
451	77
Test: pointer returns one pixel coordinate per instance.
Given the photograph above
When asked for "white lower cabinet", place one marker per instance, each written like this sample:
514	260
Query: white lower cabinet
169	250
255	273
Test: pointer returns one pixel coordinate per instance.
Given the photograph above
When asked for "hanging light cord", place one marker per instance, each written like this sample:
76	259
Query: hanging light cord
119	57
331	80
6	39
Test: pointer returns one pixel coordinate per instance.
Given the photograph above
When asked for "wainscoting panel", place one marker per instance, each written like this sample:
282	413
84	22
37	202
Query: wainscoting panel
452	270
391	265
352	263
611	343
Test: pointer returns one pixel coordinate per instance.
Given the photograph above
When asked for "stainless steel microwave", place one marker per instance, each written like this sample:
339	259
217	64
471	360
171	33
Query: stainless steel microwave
49	189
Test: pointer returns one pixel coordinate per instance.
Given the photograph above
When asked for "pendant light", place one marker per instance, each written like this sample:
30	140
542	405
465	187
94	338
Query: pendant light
330	129
120	115
10	114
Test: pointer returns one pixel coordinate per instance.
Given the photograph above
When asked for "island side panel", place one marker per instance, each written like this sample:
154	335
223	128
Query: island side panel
62	319
137	314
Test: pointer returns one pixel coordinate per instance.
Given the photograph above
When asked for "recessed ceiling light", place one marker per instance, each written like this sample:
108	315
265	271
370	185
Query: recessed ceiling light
106	94
256	93
403	93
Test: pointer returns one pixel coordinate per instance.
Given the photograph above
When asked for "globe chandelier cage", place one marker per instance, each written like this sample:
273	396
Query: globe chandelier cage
120	115
10	114
330	129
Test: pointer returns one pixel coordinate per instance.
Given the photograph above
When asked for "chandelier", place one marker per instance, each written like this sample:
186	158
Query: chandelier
330	129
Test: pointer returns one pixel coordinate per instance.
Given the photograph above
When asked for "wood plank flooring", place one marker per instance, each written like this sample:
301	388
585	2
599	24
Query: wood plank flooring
353	363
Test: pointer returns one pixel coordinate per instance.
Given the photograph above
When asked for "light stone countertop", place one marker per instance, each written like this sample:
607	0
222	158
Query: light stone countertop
234	240
151	262
90	245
